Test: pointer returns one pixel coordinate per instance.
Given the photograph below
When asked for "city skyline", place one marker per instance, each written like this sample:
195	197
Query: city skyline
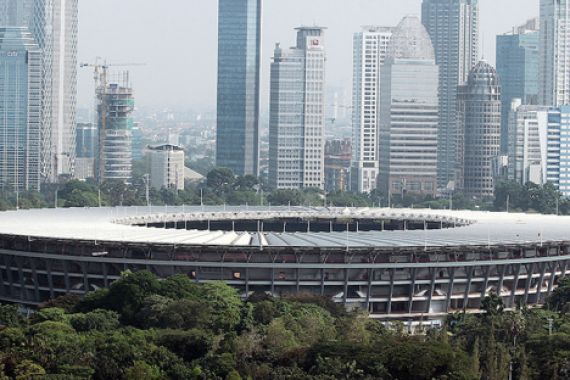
188	76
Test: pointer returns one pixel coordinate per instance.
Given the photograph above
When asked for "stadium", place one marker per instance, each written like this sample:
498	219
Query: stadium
398	264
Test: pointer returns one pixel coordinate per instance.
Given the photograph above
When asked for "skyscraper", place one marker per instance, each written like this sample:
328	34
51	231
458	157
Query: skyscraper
558	166
15	12
297	113
370	48
115	124
409	112
20	110
479	136
554	66
528	143
86	150
453	26
239	61
54	26
517	66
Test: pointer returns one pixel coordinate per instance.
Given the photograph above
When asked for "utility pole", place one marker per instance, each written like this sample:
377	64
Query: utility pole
508	201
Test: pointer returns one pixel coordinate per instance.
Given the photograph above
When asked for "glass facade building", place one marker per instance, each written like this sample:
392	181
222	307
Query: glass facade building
558	167
20	110
517	66
453	26
554	78
239	60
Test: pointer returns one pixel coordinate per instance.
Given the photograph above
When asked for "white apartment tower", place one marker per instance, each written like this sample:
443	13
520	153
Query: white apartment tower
55	29
370	49
167	167
297	113
554	46
528	143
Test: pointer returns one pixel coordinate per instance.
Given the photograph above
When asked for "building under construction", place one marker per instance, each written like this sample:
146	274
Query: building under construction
115	107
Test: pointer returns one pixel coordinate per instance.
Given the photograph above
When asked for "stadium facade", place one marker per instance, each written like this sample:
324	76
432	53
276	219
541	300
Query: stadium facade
395	263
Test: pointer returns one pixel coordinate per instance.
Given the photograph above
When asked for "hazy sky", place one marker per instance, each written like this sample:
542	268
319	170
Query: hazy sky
177	39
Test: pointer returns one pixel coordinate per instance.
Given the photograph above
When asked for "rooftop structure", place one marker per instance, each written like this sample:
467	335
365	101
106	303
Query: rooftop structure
395	263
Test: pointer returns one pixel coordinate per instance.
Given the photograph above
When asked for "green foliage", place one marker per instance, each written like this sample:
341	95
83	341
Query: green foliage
9	316
529	198
141	370
225	305
101	320
148	328
188	345
561	296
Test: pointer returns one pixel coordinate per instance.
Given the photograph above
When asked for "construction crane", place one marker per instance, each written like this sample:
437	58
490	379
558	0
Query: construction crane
100	77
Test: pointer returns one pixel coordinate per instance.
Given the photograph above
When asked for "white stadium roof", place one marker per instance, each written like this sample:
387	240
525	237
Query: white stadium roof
115	225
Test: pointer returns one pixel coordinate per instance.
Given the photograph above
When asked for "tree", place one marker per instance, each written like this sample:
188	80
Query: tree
233	375
28	370
188	345
220	180
492	305
141	370
246	183
9	316
285	197
127	294
560	296
101	320
224	303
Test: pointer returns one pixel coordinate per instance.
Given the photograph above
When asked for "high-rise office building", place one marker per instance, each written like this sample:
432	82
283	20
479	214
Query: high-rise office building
20	110
15	12
528	143
115	124
54	26
558	165
297	113
479	137
86	150
239	62
453	26
167	167
517	66
409	112
369	52
554	64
